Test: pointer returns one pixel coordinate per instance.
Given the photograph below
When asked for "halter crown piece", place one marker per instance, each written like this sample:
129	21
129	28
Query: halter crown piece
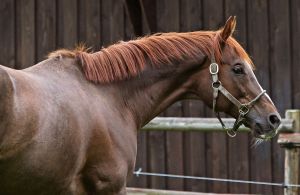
243	108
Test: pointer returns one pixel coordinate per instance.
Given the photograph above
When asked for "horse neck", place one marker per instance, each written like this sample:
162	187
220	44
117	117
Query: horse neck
154	90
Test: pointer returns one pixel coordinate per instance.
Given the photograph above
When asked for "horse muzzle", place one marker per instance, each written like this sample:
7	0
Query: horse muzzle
266	129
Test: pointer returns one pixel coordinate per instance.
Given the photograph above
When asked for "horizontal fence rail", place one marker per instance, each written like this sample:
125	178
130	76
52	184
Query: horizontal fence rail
141	191
203	124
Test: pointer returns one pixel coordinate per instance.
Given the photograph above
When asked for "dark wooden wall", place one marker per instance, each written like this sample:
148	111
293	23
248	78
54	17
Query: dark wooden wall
269	30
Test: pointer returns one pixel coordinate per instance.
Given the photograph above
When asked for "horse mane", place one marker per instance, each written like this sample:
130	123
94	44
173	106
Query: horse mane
124	60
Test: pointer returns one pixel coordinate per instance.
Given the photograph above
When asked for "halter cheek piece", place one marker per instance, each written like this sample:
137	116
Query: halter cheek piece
243	108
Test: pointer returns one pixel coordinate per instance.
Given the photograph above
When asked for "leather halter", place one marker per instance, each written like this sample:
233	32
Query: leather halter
243	108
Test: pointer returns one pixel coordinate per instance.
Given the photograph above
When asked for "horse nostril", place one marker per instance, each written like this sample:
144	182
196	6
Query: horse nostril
274	120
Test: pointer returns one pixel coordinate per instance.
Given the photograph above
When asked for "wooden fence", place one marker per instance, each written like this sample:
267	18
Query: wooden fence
269	30
289	138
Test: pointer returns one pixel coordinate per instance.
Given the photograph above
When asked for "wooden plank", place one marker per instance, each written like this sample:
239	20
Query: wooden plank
112	21
258	45
7	33
216	143
168	20
149	16
174	151
289	140
140	191
280	38
156	158
45	28
67	24
129	26
167	15
133	14
194	150
190	15
90	23
25	34
238	153
281	88
188	124
194	143
295	40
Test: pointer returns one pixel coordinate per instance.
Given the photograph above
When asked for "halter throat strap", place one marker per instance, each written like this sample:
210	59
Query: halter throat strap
242	108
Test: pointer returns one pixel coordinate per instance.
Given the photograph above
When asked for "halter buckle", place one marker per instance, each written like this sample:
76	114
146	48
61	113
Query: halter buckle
214	68
244	109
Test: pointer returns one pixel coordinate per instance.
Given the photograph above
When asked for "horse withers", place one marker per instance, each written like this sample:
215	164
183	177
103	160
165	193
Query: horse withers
69	123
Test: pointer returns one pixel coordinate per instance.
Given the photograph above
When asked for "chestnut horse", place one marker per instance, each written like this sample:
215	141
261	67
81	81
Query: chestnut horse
69	123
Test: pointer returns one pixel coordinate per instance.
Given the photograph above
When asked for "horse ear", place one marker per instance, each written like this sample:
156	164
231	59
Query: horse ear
229	28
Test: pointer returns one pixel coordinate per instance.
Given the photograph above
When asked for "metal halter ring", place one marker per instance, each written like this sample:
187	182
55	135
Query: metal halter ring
214	68
216	84
231	133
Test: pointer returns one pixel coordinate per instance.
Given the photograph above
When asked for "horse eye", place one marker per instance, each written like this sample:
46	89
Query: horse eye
238	69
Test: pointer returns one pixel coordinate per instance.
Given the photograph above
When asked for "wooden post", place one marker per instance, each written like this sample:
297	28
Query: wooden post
292	153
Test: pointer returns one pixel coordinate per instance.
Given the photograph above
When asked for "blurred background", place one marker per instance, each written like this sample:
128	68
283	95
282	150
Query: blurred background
268	30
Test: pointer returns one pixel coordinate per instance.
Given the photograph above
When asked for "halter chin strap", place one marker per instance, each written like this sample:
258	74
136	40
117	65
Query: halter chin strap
243	108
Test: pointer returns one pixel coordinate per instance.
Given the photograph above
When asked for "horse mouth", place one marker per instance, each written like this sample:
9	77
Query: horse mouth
261	131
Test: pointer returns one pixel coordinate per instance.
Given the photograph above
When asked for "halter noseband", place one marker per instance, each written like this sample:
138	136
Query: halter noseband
243	108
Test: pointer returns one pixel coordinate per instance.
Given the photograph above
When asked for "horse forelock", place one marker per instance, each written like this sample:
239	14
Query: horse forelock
127	59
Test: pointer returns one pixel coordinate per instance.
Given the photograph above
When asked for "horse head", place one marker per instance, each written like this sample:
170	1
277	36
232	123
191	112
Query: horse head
233	88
